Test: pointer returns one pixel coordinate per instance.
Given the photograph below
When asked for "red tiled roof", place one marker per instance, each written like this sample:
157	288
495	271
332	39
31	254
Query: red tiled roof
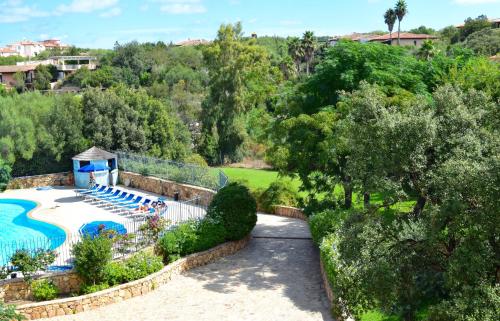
7	50
403	35
15	68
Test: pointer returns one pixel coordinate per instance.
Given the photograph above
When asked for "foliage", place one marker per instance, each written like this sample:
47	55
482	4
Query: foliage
138	266
153	227
473	25
91	288
179	241
210	233
8	313
11	60
240	78
43	76
44	290
236	209
325	223
401	10
423	30
91	258
5	177
30	262
280	192
390	19
484	42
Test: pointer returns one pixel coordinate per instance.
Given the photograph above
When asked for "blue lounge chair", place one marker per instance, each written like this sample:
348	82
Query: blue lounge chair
105	197
88	190
135	202
121	201
135	206
100	189
107	191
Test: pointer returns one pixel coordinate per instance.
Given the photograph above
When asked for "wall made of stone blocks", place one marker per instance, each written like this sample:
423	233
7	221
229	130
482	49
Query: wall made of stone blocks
56	179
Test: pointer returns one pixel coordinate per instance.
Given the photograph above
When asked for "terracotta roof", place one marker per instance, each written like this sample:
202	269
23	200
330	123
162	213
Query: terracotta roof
14	68
94	153
193	42
403	35
7	50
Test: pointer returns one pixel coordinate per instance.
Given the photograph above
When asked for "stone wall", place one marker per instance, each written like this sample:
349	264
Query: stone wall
18	290
291	212
57	179
126	291
165	187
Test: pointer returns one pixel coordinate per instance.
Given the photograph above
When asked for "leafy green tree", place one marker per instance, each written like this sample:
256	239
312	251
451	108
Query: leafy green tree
308	43
401	10
43	77
473	25
390	19
451	34
241	77
19	81
484	42
5	177
427	50
423	30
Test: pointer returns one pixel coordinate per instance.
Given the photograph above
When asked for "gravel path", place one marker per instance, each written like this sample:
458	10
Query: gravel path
276	277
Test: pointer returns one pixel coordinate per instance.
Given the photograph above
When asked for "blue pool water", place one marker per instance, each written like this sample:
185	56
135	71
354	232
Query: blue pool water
18	231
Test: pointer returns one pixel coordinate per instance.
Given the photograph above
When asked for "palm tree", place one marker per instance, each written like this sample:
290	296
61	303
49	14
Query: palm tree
401	10
295	51
309	46
390	19
427	51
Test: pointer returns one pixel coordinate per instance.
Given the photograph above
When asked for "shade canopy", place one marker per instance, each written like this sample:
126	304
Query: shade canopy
93	154
95	228
93	168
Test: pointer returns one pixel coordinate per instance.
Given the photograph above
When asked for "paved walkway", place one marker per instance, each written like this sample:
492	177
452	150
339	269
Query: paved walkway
276	277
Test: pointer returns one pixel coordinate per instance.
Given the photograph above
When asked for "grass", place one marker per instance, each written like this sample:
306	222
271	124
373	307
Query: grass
262	178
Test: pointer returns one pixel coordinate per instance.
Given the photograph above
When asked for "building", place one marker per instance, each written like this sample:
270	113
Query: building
361	37
495	23
28	49
406	39
7	74
192	42
7	52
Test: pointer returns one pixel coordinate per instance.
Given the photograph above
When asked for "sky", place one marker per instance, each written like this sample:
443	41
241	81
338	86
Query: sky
100	23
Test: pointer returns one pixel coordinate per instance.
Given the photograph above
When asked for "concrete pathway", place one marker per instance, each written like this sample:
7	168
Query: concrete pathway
276	277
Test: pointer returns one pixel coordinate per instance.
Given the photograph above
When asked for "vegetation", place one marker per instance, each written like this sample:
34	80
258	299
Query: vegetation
44	290
280	192
30	262
236	209
8	313
138	266
92	255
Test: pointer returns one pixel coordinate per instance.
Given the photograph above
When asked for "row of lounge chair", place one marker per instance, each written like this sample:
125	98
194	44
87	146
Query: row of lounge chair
116	199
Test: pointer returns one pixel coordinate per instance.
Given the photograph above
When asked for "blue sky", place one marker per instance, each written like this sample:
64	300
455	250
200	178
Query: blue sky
99	23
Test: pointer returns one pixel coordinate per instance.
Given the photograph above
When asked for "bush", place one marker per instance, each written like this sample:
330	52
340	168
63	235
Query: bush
5	177
44	290
326	222
210	233
236	209
138	266
31	262
180	241
91	258
8	313
196	159
87	289
280	192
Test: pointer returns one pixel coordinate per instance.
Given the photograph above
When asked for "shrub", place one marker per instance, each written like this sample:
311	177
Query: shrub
179	241
210	233
5	177
44	290
138	266
29	262
91	258
326	222
87	289
8	313
280	192
196	159
236	209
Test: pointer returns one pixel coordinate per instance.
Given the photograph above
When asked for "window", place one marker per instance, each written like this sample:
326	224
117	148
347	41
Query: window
1	79
415	42
84	163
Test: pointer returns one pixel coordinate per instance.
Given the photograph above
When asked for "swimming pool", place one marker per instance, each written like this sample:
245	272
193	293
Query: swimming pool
18	231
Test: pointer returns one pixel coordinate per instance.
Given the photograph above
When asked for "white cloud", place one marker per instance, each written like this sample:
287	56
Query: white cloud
473	2
85	6
113	12
12	11
181	6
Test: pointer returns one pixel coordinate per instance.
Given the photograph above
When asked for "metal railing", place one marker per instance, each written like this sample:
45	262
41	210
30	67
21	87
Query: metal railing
211	178
136	237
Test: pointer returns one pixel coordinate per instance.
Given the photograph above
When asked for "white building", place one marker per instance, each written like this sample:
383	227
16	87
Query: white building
29	49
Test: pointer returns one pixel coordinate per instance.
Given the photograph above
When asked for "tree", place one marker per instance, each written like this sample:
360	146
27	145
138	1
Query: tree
296	51
308	43
241	77
401	10
43	77
484	42
19	81
423	30
427	51
390	19
473	25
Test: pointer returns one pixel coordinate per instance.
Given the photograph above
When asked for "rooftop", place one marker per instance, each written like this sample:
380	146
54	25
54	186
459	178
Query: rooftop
15	68
94	153
403	35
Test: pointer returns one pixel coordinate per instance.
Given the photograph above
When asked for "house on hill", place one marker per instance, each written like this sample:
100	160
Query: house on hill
406	39
7	74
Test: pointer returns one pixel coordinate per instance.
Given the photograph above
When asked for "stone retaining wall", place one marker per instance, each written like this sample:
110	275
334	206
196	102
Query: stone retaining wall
126	291
288	211
56	179
18	290
165	187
